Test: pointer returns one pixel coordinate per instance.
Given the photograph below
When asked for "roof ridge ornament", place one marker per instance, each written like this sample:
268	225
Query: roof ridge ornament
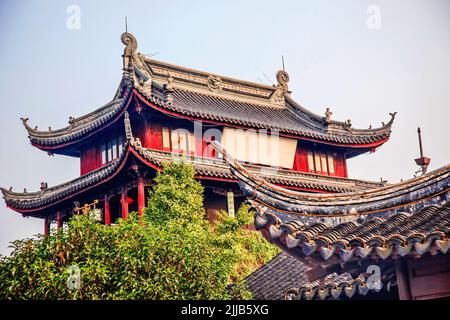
131	45
170	82
281	88
392	114
328	115
134	66
390	122
348	124
27	126
215	83
44	186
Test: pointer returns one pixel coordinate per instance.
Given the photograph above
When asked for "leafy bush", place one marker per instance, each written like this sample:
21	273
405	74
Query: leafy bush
170	253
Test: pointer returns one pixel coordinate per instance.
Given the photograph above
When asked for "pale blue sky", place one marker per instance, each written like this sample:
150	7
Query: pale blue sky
49	72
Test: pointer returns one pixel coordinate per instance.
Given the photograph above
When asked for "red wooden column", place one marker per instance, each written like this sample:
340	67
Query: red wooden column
124	202
107	211
46	226
403	279
345	168
59	221
141	195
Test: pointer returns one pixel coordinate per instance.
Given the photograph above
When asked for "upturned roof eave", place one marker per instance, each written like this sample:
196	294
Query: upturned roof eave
65	141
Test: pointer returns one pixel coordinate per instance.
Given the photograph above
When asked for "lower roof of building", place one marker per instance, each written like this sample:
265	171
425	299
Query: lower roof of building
272	280
205	168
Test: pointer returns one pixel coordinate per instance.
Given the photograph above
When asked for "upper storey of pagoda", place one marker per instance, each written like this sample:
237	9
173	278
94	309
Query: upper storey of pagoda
196	95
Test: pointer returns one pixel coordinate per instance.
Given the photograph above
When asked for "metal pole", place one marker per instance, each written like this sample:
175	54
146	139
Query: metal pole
419	132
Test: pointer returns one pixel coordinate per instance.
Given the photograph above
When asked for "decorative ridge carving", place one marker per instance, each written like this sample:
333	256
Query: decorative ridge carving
163	67
134	67
281	89
192	79
339	127
44	186
25	124
131	46
128	131
215	83
392	114
328	115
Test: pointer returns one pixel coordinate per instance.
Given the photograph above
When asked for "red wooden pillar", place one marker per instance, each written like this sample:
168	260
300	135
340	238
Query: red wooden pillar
107	211
59	221
345	166
141	195
124	202
46	226
403	279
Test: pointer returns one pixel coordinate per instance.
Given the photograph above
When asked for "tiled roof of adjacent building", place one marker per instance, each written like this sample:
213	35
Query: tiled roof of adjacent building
287	277
344	285
411	217
398	234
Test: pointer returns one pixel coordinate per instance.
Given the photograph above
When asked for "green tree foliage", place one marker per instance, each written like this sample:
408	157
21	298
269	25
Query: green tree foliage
170	253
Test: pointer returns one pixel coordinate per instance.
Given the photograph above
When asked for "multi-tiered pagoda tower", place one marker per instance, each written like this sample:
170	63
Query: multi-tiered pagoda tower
161	110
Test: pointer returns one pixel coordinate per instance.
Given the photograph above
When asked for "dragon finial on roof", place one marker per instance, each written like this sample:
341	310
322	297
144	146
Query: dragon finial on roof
281	88
129	40
134	65
131	45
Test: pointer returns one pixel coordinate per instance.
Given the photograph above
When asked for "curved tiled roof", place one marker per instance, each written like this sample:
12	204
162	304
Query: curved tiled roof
336	286
203	167
211	97
245	103
398	234
287	120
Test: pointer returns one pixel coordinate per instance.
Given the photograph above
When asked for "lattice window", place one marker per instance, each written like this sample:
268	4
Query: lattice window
111	149
321	162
